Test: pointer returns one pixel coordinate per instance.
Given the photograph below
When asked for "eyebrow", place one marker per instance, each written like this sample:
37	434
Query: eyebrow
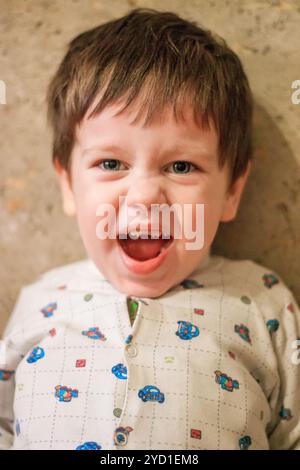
185	149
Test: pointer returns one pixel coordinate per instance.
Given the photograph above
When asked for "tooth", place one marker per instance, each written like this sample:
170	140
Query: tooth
146	235
133	235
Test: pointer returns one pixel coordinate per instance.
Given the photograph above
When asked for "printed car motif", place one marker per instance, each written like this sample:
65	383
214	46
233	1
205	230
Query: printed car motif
187	330
272	325
190	284
18	427
120	371
49	309
89	446
245	442
121	435
6	374
64	393
151	393
243	332
94	333
36	354
226	382
270	280
285	413
128	339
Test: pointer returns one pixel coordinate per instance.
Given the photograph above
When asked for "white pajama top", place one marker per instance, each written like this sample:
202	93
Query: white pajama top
211	364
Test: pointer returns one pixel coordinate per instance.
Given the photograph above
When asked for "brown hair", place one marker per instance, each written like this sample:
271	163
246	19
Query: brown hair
167	57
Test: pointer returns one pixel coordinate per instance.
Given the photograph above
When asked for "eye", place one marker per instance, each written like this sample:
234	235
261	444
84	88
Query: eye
109	164
182	166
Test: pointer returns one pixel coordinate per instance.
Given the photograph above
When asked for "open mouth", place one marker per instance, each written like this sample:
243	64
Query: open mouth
144	248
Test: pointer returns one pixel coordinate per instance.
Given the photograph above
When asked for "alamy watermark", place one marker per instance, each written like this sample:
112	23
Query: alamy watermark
295	97
2	92
295	358
134	222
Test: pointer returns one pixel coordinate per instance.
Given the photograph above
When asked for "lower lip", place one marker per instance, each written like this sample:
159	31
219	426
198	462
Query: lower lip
144	267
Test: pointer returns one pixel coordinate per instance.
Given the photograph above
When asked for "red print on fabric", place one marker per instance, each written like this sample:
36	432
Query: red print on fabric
80	363
199	311
196	433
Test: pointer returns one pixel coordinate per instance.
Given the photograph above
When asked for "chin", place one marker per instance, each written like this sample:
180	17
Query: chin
136	290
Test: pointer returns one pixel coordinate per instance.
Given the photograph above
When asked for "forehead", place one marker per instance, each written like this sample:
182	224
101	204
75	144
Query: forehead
164	131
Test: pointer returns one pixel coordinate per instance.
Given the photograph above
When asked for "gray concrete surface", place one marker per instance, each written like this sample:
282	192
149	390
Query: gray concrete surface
35	235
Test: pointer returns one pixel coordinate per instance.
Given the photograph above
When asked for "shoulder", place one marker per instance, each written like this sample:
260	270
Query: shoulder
254	282
59	276
64	272
49	286
54	277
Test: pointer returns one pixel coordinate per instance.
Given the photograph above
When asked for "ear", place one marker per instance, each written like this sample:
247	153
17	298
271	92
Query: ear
234	195
69	205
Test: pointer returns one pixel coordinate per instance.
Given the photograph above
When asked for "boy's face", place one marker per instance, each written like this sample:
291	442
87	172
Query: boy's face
143	170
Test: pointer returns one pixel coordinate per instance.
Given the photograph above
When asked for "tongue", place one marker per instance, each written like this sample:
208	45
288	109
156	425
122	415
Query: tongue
140	249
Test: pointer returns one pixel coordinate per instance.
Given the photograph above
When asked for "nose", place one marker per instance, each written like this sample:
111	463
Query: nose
146	190
142	192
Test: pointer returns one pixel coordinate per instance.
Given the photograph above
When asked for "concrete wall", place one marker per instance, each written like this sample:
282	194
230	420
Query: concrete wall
35	235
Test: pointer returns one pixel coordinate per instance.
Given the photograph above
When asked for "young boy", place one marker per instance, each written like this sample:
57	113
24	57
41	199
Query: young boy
148	344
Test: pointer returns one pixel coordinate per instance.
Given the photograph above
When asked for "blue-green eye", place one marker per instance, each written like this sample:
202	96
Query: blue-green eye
182	167
109	165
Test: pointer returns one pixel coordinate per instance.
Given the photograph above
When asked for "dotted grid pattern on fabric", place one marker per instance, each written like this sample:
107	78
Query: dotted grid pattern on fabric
209	362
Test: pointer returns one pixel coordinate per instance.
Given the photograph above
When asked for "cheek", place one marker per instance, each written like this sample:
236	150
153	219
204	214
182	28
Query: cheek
89	195
87	221
88	199
212	197
97	211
